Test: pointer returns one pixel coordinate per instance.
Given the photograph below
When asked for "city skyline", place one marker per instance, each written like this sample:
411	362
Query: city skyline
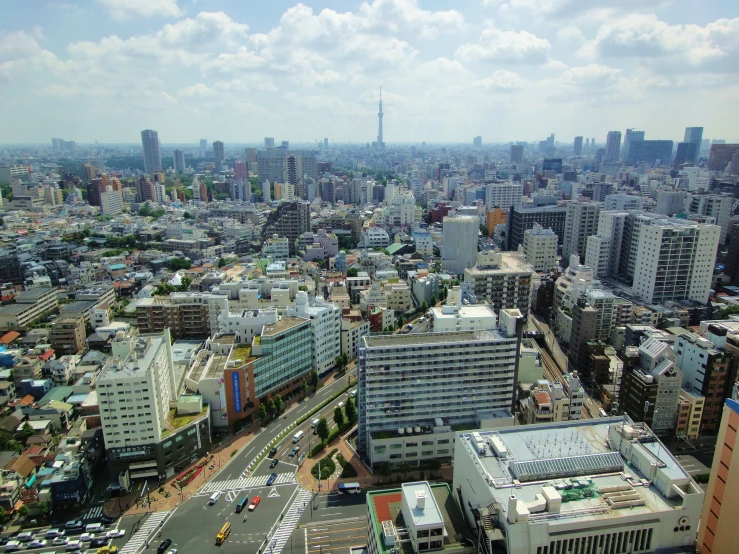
192	69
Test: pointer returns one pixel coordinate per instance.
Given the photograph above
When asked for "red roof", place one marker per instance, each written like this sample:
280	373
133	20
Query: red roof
46	356
9	337
26	400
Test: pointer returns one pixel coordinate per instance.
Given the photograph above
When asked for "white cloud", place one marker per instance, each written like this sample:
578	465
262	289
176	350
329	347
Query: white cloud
506	46
570	10
502	80
123	10
646	36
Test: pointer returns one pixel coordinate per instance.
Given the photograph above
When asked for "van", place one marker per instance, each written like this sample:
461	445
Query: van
13	546
314	423
94	527
54	533
297	436
214	498
24	537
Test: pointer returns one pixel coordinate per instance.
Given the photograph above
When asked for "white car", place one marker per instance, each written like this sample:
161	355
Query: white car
87	537
37	543
115	533
59	541
74	545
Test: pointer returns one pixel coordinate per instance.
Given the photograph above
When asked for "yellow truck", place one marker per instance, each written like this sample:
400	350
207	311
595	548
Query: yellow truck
225	531
108	550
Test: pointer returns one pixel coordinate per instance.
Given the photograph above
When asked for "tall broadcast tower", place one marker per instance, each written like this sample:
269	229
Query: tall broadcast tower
380	142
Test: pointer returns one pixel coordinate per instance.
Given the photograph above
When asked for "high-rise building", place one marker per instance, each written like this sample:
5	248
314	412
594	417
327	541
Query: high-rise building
503	195
218	155
286	166
520	219
650	151
581	221
675	260
432	381
203	145
380	139
717	206
623	202
325	143
111	202
694	135
250	155
613	146
269	142
178	159
718	531
477	142
325	320
723	155
577	147
687	153
150	144
241	170
459	243
516	153
632	135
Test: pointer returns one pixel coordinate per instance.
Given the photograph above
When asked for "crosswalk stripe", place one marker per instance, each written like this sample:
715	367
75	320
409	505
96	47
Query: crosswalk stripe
289	522
146	529
245	483
93	513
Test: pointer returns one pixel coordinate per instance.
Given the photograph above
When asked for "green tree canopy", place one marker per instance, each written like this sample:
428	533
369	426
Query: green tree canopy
322	429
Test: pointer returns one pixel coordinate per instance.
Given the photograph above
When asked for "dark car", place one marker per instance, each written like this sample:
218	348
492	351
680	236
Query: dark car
273	452
107	520
273	463
272	479
4	540
164	546
97	543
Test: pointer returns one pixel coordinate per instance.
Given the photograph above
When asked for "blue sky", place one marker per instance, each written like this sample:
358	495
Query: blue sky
240	70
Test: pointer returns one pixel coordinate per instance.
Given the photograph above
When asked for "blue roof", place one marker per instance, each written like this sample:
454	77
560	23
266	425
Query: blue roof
78	398
115	267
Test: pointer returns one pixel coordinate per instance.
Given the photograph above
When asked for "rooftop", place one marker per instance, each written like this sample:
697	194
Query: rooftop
282	325
394	341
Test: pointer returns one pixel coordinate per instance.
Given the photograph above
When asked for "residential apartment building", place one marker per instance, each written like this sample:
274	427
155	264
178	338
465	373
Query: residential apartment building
718	531
718	206
353	328
290	220
67	336
689	413
547	402
520	219
459	243
425	383
623	202
581	221
189	315
276	248
540	248
30	305
566	487
503	279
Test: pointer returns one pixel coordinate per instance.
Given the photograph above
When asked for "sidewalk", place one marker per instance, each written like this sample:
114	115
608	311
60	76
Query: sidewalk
220	456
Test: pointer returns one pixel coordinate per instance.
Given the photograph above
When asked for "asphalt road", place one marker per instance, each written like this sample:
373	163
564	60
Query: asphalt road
193	525
335	523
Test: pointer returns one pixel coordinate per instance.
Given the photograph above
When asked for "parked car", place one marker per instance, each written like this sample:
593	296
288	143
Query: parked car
272	479
254	503
165	544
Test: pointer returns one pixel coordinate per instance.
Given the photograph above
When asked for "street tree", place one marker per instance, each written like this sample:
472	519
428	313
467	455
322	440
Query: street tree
271	407
278	404
314	380
304	388
351	410
262	413
339	417
322	429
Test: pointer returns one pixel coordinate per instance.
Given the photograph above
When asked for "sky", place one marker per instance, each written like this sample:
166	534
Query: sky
240	70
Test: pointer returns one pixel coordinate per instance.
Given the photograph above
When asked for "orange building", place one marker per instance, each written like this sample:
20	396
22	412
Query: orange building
497	216
718	532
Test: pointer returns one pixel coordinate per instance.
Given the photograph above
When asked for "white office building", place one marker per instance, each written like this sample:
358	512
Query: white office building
540	248
423	242
454	316
592	486
459	243
374	237
718	206
135	388
623	202
503	195
325	321
415	386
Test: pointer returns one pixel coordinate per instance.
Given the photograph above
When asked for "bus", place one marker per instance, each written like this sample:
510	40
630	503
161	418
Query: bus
225	531
242	504
297	436
349	488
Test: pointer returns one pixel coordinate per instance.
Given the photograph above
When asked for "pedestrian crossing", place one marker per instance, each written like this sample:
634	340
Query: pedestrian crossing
245	483
289	522
139	538
93	514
